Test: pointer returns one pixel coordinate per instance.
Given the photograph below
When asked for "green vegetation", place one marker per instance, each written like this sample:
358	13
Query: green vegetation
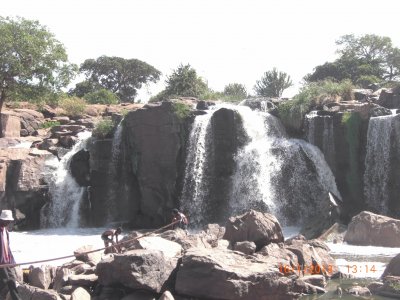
182	110
73	106
235	92
33	64
101	96
362	59
121	76
312	95
272	84
103	128
352	123
49	124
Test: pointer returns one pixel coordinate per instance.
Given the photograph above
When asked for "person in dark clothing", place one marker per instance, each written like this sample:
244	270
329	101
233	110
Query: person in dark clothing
180	219
7	274
108	238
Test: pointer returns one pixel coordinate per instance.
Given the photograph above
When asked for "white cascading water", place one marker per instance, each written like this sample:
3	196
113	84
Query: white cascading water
255	164
64	191
194	185
383	138
327	144
113	176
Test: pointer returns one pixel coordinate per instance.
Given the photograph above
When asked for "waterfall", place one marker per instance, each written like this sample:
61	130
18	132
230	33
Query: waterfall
383	150
114	175
287	177
255	164
324	139
195	185
65	193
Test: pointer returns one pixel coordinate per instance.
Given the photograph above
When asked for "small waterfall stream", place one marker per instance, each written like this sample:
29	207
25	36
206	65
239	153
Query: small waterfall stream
64	191
195	185
383	150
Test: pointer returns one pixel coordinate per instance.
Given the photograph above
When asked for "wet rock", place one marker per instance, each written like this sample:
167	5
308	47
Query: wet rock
317	280
260	228
359	291
393	267
368	228
80	167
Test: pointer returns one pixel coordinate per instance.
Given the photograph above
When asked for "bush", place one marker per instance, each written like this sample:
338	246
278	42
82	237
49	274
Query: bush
73	106
103	128
49	124
366	80
101	96
182	110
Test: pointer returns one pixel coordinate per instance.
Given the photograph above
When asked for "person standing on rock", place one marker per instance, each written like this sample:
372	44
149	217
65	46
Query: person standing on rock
179	219
7	274
108	238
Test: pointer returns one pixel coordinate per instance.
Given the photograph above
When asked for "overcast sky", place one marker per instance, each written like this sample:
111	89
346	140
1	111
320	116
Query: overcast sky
224	40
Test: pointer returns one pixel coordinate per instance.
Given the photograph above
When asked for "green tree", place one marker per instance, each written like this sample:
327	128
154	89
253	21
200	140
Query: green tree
121	76
367	56
33	63
273	83
235	91
185	82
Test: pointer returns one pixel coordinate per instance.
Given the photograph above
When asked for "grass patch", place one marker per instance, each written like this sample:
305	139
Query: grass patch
49	124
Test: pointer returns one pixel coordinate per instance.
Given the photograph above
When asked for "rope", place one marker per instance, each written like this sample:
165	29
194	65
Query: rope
91	251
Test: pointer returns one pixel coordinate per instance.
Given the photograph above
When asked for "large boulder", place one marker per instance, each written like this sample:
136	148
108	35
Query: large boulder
41	277
368	228
137	269
224	274
393	267
31	120
168	248
260	228
10	125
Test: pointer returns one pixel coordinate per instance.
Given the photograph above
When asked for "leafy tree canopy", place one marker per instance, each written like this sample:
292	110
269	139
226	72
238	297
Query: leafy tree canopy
185	82
33	63
273	83
368	56
121	76
235	91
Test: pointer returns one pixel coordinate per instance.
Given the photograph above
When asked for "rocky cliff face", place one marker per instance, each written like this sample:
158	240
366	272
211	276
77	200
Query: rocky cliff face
149	168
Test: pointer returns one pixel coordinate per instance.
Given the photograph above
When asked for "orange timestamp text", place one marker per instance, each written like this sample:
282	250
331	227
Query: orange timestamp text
306	269
361	269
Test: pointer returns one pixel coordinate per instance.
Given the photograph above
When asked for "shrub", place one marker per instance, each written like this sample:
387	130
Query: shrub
73	106
103	128
101	96
49	124
182	110
366	80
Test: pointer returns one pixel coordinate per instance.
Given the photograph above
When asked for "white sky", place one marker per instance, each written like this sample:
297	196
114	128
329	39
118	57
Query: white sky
226	41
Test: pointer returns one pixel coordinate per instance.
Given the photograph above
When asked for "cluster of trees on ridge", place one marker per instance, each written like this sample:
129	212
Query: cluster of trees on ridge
34	66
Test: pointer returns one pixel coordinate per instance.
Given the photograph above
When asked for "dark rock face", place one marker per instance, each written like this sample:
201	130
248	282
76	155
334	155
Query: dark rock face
80	168
150	168
393	268
227	136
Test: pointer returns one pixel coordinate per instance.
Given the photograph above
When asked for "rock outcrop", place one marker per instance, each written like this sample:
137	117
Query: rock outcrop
368	228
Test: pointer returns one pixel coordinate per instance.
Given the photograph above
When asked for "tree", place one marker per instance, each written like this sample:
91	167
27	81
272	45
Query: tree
368	56
235	91
32	62
273	83
121	76
184	82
